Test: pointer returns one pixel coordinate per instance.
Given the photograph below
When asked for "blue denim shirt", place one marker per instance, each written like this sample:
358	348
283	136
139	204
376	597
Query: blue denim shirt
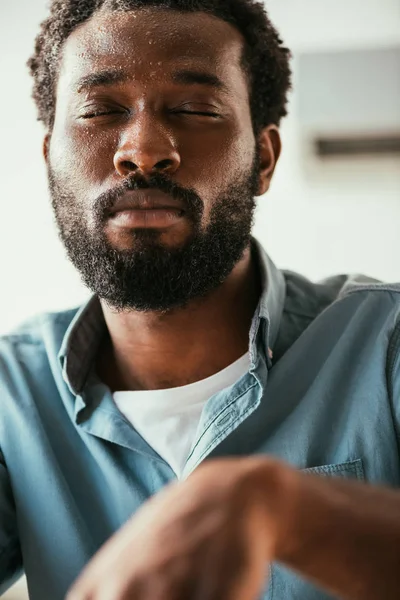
73	469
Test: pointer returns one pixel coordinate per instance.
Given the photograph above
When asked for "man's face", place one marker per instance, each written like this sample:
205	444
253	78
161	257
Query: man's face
153	110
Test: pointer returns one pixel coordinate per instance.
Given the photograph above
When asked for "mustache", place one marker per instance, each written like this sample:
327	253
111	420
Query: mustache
190	200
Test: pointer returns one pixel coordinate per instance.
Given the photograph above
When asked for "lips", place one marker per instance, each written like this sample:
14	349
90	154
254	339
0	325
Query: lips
145	200
145	209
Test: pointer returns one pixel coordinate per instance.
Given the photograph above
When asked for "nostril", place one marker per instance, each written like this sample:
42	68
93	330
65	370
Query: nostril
128	165
164	164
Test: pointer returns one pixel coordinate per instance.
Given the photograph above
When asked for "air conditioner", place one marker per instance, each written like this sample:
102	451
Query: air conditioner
349	102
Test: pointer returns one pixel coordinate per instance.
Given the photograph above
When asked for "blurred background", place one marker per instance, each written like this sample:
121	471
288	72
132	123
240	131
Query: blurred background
334	205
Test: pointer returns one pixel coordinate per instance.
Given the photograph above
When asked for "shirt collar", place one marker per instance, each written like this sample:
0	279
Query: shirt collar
82	338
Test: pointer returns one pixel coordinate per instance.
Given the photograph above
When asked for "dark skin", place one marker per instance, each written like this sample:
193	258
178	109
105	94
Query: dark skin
212	536
150	350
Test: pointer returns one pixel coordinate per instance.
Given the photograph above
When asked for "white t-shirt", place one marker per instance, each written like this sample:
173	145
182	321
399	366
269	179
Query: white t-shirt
168	419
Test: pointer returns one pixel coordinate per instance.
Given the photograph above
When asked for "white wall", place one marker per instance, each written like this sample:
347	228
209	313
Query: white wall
345	217
34	274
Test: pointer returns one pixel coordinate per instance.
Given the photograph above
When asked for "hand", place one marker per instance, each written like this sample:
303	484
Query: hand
210	537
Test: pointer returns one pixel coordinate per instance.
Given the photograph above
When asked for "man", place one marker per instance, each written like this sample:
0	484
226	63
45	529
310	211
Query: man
161	128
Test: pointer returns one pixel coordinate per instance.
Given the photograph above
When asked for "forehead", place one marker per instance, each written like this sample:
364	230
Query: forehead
146	40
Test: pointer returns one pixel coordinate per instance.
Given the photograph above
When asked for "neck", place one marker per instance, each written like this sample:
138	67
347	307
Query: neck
146	350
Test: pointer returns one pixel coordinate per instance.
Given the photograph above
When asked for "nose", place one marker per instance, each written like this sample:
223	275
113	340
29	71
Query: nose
148	147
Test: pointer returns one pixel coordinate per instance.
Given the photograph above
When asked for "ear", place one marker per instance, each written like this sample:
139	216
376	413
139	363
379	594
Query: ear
46	145
269	147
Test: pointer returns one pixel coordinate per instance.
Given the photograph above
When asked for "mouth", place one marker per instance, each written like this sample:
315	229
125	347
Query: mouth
146	218
146	209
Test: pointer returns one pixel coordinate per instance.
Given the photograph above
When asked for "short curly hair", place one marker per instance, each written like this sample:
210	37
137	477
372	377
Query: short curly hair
265	59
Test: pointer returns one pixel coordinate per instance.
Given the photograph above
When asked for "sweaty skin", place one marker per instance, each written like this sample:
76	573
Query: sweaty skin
147	350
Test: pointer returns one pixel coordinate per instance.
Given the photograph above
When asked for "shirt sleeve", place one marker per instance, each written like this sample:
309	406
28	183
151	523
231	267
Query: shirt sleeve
10	551
393	378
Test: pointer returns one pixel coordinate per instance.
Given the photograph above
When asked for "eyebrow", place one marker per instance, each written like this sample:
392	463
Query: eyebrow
183	77
189	77
101	78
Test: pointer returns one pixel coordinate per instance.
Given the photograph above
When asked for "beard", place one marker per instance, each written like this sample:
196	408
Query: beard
151	276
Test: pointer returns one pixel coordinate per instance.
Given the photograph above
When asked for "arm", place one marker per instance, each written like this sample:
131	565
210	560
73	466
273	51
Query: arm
343	535
10	553
211	537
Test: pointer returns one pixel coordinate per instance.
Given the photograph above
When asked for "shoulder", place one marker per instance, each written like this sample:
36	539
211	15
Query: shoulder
41	333
337	299
308	299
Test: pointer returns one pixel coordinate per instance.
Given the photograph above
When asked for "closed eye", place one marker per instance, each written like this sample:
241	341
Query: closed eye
100	113
198	113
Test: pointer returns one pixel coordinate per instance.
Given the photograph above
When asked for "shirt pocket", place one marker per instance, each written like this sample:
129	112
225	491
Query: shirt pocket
353	469
283	584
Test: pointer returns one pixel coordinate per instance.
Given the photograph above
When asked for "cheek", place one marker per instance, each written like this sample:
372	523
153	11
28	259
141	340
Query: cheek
213	168
82	155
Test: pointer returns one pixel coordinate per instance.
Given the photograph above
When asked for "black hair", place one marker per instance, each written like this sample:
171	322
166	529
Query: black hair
265	59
